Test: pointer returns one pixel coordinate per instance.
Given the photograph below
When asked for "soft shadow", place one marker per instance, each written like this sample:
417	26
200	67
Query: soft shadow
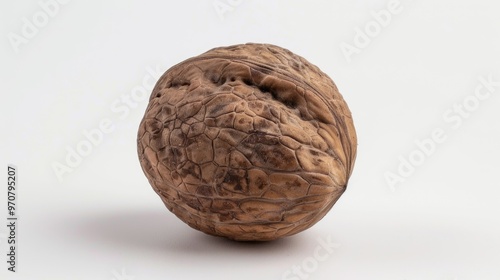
160	231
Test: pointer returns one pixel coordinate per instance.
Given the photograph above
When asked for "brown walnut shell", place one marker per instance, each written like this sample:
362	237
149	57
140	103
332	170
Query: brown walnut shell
249	142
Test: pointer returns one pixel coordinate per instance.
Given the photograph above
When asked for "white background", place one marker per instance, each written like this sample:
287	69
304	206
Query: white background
103	220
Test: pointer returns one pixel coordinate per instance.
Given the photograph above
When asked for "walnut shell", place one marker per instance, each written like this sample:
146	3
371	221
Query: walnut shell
249	142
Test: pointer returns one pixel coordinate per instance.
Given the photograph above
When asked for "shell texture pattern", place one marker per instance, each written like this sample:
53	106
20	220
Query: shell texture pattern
249	142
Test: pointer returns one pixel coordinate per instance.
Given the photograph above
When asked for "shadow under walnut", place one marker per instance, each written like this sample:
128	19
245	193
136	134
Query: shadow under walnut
249	142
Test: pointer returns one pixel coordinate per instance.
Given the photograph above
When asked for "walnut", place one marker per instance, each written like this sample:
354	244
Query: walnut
249	142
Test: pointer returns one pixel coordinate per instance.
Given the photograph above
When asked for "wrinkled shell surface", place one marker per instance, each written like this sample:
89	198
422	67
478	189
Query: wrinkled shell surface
249	142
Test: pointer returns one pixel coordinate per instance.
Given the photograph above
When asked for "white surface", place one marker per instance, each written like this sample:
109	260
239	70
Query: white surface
103	221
